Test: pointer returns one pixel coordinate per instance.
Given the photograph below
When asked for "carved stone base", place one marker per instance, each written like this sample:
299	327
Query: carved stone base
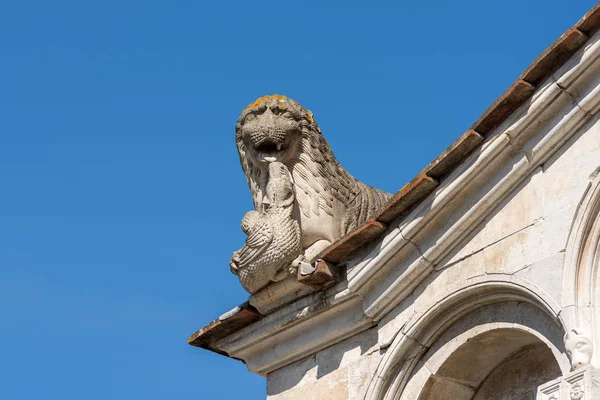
581	384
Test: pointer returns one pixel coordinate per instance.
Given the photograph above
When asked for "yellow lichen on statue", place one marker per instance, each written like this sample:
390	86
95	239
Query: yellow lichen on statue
258	102
255	105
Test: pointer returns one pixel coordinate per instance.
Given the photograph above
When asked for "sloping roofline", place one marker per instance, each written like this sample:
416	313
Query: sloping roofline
430	177
426	181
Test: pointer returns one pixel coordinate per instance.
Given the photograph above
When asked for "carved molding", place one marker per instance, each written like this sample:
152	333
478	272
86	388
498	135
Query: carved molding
581	291
583	384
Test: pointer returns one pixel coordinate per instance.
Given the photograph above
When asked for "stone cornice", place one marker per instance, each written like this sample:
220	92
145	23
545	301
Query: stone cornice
297	331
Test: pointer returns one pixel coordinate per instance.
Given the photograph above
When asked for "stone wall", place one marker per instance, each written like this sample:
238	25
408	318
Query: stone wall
339	372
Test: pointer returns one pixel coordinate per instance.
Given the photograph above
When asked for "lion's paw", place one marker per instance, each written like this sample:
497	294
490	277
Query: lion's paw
294	265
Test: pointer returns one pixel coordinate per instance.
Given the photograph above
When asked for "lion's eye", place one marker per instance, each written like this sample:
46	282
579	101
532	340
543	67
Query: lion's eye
249	118
288	115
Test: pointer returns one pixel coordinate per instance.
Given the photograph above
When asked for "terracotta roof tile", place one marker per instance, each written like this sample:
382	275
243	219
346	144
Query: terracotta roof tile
503	107
412	193
338	251
554	56
454	154
221	327
590	22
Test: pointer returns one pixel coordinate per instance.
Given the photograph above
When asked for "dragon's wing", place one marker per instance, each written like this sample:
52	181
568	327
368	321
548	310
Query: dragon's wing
259	238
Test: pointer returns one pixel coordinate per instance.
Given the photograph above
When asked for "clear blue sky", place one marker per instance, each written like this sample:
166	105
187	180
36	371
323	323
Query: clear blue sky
121	187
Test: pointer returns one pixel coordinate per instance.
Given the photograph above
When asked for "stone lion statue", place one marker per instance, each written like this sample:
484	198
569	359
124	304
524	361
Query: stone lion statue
328	202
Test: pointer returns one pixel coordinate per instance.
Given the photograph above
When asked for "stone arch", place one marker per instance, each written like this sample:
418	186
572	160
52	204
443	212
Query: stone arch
400	364
581	291
499	350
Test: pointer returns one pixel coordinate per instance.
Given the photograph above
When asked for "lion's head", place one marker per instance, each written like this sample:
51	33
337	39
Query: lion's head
275	128
270	129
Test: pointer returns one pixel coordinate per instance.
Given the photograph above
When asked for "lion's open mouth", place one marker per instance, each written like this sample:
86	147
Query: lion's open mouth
269	151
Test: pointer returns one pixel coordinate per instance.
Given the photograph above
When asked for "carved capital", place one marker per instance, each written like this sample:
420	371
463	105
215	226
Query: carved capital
582	384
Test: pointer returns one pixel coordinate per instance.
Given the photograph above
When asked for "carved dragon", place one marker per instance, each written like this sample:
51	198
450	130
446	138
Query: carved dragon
273	236
329	202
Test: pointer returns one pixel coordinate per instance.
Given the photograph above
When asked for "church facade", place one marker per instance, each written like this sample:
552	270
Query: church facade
480	279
